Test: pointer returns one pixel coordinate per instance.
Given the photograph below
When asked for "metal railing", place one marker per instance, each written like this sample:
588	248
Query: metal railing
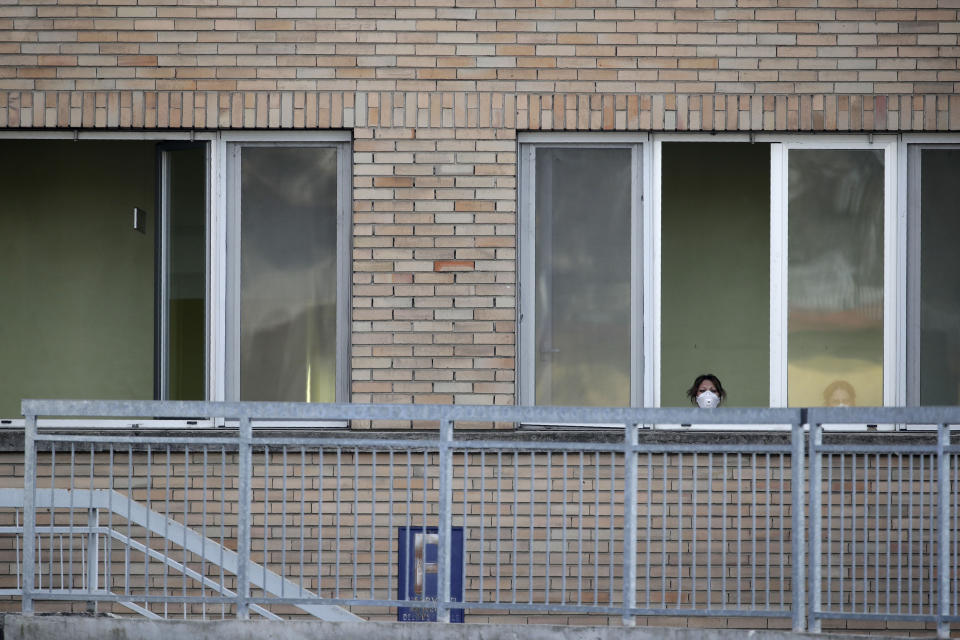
607	526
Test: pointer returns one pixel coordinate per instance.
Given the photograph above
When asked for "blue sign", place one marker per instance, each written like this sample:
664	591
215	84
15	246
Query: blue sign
419	570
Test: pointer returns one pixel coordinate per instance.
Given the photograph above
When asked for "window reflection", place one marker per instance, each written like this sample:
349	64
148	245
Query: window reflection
835	273
288	274
583	207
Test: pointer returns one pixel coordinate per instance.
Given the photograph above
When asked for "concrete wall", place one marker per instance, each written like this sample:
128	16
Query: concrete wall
16	627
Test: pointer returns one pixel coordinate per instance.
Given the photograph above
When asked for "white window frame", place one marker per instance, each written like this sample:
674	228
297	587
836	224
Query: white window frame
893	266
646	355
230	145
641	235
910	148
218	277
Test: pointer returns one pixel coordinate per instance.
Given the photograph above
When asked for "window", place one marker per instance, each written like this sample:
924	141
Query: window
288	273
582	217
933	318
770	262
130	266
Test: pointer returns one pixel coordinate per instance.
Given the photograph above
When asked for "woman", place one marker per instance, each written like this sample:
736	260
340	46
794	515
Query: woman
706	392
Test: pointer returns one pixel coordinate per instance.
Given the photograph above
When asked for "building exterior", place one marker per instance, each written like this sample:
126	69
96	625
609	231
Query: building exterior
566	202
436	126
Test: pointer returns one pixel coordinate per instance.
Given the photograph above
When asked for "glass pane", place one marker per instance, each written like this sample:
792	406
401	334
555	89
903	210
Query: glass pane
715	222
288	273
835	244
186	273
583	202
77	280
940	277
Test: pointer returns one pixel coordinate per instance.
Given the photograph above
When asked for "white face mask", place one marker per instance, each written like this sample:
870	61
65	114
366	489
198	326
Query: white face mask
708	400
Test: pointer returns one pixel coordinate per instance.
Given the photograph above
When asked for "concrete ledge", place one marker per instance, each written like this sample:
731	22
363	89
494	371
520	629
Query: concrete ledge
79	627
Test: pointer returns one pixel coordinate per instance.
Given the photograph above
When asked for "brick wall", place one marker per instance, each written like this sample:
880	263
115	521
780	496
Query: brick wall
435	92
711	528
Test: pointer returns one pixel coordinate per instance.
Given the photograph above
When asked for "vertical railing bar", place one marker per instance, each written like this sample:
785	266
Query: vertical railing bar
166	534
663	529
93	547
900	533
928	485
466	484
303	514
580	533
630	442
320	503
876	533
283	528
83	562
694	504
373	521
483	502
337	522
203	532
245	444
266	516
423	510
768	568
146	556
53	513
533	475
943	530
723	531
29	510
920	533
445	516
679	529
499	555
866	530
73	456
16	550
563	536
126	547
186	524
516	490
223	522
356	510
753	528
910	539
815	561
783	528
649	493
843	521
390	523
853	533
710	531
739	528
611	529
889	533
409	527
596	527
829	571
549	531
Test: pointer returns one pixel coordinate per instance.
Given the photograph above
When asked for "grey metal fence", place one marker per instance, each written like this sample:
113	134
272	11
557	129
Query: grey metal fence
233	521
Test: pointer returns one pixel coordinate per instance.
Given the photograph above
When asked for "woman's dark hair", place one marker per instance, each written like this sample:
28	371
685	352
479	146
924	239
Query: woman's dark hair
692	391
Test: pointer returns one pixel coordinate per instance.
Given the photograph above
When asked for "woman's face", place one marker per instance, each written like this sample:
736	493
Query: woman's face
707	385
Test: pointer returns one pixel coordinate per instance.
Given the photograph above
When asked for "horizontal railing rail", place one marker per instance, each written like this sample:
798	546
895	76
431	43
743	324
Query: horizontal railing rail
433	523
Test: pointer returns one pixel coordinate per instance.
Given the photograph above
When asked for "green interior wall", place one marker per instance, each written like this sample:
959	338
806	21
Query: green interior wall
78	283
715	279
